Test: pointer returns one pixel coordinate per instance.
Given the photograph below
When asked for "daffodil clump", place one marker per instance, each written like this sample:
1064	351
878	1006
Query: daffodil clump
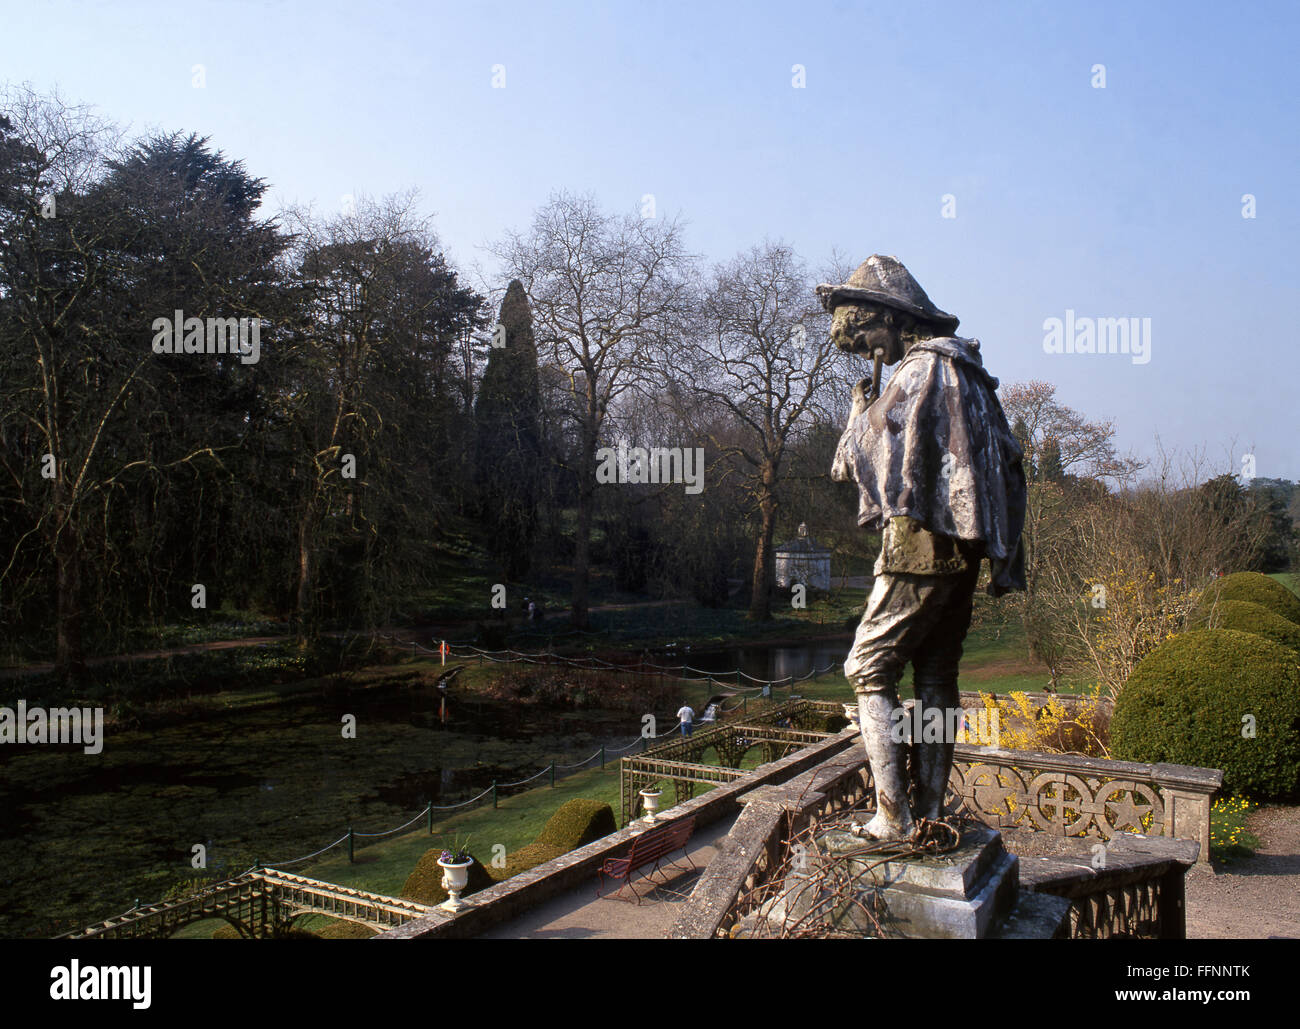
1229	837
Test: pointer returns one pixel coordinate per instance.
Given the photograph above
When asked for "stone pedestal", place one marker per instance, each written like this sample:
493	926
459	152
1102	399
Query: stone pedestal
972	892
957	895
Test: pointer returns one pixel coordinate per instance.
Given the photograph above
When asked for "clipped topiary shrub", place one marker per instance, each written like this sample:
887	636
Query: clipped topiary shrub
294	933
526	857
578	822
1187	703
425	883
341	930
1246	617
1253	588
832	723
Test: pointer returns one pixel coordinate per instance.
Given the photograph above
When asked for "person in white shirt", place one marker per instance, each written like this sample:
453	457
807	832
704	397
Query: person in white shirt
686	716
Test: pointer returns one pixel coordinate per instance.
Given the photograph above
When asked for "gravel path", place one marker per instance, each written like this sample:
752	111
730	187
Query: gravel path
1254	898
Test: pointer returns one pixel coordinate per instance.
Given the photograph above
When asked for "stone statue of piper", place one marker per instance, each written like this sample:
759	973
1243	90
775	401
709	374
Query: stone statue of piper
939	475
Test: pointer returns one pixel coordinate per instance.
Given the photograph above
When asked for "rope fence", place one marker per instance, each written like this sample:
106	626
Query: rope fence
603	755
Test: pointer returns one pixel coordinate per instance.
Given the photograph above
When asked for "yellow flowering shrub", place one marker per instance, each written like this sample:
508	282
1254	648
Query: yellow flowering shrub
1024	723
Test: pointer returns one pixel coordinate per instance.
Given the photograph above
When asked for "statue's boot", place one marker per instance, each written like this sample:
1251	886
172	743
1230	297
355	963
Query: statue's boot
888	758
931	769
932	761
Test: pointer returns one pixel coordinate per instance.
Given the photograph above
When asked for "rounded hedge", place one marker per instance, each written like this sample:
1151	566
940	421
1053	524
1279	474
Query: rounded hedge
1253	588
1187	701
1246	617
578	822
425	883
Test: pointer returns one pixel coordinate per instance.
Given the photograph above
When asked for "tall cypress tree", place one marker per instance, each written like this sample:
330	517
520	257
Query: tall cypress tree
1050	469
509	451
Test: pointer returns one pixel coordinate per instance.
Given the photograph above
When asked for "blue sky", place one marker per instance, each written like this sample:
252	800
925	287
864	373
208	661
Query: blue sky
1123	201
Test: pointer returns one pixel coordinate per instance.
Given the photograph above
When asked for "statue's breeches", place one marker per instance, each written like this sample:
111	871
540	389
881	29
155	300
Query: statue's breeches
917	618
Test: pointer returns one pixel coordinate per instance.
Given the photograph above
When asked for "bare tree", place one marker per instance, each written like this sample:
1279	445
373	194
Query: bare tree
762	354
1087	448
1068	459
58	400
606	293
1061	446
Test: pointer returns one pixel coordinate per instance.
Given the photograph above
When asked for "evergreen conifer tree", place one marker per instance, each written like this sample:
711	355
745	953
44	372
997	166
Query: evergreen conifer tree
509	453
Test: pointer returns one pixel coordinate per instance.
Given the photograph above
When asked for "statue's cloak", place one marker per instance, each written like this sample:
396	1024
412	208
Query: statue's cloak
936	447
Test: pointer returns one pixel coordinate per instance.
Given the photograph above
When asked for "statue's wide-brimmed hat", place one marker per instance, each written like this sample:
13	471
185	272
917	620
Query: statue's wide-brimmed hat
884	280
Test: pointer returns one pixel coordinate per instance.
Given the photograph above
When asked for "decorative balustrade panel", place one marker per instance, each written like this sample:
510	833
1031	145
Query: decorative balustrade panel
254	902
1125	912
1056	801
822	794
769	829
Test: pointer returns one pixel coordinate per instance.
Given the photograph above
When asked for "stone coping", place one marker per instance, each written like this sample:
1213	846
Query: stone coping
1185	777
1070	865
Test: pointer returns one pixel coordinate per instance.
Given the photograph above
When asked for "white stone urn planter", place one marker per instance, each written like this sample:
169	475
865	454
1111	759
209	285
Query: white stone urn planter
455	877
651	800
853	714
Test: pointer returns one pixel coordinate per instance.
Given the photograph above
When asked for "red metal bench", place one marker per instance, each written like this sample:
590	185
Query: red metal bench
649	848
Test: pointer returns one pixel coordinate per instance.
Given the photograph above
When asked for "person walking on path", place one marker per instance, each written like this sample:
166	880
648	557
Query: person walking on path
686	715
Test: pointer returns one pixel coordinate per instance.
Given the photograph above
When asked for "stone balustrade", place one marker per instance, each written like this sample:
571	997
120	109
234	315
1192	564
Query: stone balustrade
1073	795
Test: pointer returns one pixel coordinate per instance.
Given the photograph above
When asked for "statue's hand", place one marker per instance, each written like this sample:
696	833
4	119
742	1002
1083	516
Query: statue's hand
861	397
840	469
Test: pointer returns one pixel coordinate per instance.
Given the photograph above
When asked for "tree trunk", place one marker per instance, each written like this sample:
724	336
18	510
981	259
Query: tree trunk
582	545
760	601
303	605
69	658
